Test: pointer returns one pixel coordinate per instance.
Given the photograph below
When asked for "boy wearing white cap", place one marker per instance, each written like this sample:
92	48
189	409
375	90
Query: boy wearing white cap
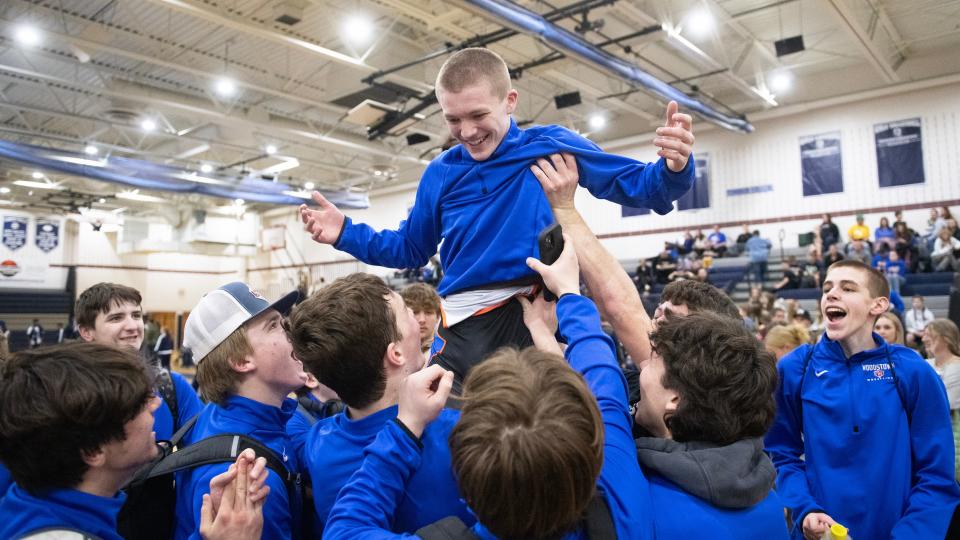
245	369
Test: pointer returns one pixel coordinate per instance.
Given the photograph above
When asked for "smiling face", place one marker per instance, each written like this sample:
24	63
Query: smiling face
848	307
121	326
477	117
886	329
276	366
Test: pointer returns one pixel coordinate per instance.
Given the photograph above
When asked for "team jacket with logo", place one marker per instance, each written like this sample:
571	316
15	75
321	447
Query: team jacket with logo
853	454
489	213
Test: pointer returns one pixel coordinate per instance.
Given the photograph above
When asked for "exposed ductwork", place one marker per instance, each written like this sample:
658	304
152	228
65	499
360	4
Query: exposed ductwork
523	20
138	173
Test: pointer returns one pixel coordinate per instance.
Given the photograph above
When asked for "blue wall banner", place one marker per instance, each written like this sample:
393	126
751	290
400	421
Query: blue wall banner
821	164
899	153
629	211
14	232
48	235
699	194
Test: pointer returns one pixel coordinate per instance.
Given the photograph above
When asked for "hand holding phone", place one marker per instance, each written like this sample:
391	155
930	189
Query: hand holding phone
551	246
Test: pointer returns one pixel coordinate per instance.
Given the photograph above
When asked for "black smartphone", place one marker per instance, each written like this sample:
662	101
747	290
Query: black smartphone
551	246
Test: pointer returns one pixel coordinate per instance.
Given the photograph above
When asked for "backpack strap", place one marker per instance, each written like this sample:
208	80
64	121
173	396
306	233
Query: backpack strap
221	449
169	394
599	521
59	533
448	528
311	419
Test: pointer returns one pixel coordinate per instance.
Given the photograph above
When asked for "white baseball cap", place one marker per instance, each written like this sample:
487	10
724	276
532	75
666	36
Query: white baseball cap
223	310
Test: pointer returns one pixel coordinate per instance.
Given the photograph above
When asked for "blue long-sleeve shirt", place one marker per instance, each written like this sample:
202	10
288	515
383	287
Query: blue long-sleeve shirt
22	513
365	504
188	405
489	213
266	424
864	464
333	451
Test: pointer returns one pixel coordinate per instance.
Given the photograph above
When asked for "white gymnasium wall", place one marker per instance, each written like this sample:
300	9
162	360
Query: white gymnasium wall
28	266
771	155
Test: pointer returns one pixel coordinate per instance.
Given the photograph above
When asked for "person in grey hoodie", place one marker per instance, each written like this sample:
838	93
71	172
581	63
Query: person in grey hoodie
706	392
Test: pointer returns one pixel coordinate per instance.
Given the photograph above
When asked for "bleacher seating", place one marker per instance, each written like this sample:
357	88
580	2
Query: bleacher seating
19	308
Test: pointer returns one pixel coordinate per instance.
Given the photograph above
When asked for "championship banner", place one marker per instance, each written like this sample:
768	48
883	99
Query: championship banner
821	164
899	153
699	194
14	232
48	235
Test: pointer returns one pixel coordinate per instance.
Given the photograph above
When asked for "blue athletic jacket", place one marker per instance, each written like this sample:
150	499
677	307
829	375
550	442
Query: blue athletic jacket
333	451
878	462
490	213
266	424
22	513
366	504
188	405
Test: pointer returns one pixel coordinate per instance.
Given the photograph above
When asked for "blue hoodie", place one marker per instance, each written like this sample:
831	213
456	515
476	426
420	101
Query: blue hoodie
265	423
22	513
334	451
489	213
5	479
853	454
365	505
188	405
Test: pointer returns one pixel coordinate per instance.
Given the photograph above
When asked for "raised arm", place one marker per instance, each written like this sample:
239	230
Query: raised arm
612	289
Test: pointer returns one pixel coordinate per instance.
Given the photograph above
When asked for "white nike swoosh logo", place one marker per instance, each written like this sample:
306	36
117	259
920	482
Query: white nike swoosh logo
819	373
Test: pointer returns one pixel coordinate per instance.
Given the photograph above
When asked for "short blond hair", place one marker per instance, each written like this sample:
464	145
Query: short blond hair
472	66
791	336
215	374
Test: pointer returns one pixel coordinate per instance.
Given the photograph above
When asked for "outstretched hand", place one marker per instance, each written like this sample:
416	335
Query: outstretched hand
325	223
815	524
422	396
558	177
563	276
675	139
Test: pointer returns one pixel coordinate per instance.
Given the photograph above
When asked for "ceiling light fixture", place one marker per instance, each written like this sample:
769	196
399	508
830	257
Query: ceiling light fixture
91	150
597	121
38	185
4	190
357	30
309	185
225	87
781	81
37	175
271	149
135	195
147	124
102	200
206	168
27	35
700	22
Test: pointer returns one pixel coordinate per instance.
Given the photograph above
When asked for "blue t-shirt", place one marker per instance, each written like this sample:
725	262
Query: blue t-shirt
22	513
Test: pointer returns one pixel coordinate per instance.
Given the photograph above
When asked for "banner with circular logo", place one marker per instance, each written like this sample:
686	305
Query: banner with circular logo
14	232
48	235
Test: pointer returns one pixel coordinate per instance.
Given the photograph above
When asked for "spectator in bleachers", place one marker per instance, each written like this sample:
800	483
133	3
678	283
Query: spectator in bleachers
898	219
858	250
859	231
4	341
781	340
685	245
687	267
700	244
810	271
906	245
717	241
803	318
758	249
791	275
917	318
946	250
832	255
664	264
829	233
889	328
942	342
934	223
742	239
954	230
884	235
35	334
892	273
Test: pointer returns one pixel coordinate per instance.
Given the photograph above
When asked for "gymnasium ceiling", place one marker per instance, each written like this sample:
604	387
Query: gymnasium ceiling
99	68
